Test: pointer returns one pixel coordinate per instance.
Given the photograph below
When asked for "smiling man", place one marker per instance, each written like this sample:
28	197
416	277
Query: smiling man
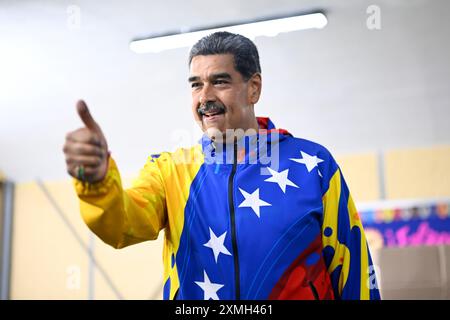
223	97
250	212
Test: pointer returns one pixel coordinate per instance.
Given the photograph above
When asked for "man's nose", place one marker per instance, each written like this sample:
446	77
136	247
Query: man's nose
207	95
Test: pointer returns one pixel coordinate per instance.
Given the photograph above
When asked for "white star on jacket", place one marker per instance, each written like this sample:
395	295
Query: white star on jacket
281	178
209	289
309	161
253	201
216	244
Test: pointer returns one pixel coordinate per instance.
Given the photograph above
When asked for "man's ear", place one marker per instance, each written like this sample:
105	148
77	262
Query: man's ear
254	88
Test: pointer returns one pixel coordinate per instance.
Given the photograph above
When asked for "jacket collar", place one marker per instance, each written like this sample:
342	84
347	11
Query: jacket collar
250	143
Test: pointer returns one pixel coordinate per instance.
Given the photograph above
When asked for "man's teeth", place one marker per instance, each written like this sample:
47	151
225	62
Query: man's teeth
211	114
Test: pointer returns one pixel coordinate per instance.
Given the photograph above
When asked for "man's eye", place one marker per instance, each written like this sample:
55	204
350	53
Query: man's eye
220	82
195	84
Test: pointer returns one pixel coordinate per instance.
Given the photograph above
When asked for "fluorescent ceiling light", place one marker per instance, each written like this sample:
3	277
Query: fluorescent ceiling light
269	28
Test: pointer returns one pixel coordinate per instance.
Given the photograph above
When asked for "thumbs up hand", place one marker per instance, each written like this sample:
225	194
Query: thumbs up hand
86	149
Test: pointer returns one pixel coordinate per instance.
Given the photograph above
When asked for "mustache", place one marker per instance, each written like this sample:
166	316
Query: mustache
211	106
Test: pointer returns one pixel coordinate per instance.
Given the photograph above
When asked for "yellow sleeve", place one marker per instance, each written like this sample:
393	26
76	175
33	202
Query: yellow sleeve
124	217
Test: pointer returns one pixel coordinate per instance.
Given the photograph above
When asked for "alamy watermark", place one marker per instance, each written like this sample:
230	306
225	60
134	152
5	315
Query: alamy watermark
73	279
73	21
373	271
373	21
236	146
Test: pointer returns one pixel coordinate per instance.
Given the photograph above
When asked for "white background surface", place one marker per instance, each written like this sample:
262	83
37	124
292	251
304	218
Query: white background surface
346	87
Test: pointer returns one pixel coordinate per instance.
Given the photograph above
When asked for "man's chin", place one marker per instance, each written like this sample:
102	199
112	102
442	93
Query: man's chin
214	132
222	135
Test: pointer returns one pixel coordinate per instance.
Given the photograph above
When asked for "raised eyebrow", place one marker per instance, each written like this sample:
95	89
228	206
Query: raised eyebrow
193	78
214	76
222	75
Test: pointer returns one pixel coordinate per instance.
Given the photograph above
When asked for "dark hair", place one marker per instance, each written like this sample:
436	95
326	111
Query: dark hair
246	58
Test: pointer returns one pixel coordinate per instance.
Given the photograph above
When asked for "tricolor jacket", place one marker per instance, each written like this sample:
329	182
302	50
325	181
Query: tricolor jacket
268	217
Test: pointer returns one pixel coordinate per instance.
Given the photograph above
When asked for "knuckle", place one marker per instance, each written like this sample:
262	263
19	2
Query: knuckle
80	134
78	148
69	135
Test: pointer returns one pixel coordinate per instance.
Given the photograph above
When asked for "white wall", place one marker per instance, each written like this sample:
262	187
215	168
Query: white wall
345	86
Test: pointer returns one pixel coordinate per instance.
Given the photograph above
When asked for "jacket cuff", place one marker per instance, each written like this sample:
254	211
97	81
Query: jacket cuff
98	188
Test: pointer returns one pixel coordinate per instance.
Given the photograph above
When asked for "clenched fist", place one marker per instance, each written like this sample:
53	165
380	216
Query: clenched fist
86	150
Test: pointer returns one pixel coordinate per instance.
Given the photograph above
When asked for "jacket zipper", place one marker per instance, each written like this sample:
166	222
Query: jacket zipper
233	224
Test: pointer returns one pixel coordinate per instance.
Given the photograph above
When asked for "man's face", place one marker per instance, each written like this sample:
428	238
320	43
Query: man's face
219	91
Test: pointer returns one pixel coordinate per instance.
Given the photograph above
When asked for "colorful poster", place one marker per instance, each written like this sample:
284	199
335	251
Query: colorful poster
425	224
